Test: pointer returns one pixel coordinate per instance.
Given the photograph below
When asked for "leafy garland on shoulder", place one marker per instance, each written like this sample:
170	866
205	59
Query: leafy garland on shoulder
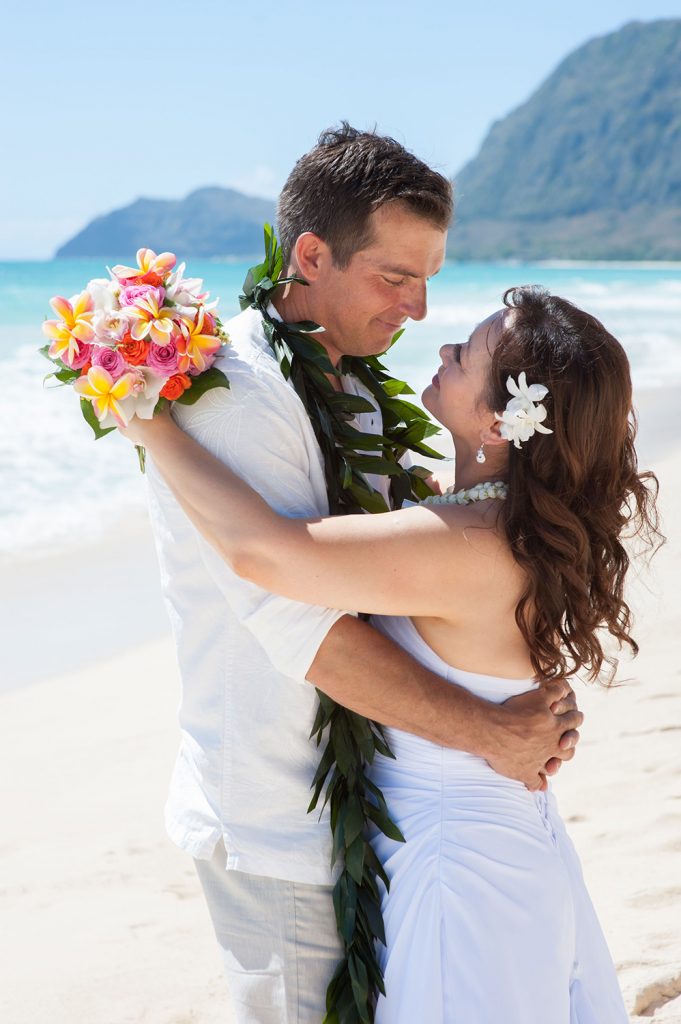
351	740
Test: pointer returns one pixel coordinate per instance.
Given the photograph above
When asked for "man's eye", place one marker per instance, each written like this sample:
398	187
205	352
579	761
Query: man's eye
393	281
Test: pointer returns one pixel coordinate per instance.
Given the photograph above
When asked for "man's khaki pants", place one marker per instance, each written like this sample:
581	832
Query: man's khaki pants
278	939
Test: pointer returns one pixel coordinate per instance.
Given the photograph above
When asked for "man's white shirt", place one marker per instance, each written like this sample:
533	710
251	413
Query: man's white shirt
246	762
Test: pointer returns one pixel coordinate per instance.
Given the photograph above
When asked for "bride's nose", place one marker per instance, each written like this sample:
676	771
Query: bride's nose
446	353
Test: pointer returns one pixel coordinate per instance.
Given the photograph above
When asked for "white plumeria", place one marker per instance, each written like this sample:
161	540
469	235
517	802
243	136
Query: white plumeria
142	401
187	292
104	294
522	415
110	326
467	495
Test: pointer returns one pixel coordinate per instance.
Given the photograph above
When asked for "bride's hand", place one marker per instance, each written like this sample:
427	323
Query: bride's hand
142	432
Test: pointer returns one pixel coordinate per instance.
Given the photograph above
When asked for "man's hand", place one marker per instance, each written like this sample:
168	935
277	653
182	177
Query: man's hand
534	733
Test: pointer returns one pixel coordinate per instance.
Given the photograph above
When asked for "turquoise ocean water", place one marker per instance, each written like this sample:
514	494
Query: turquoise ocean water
59	487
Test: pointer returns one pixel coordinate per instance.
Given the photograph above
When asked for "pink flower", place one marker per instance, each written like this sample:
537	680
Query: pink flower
132	292
163	359
151	318
80	358
150	269
110	360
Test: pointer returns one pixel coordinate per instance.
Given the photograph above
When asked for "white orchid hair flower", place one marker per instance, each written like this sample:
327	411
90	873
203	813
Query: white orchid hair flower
523	415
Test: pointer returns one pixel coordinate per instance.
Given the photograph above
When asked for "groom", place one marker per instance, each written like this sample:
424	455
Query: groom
364	223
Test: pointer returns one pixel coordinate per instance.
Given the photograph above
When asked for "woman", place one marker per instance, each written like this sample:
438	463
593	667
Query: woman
487	919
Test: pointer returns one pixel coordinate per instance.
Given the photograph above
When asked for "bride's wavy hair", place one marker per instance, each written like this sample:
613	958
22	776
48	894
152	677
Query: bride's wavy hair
576	495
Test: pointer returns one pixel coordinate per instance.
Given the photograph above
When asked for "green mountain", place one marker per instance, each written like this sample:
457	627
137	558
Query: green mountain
590	166
209	222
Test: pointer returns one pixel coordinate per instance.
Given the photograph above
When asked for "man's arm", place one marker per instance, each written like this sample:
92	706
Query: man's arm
260	434
525	738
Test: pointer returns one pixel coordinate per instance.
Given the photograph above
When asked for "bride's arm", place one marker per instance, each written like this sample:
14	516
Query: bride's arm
411	562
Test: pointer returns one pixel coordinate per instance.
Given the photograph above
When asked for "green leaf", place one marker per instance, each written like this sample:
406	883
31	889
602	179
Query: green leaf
342	745
377	466
375	865
386	825
397	387
209	379
311	351
354	819
371	501
395	338
90	418
354	858
345	906
352	404
324	767
372	912
360	987
66	376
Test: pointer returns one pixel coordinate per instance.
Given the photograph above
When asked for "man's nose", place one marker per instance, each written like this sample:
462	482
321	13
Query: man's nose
415	303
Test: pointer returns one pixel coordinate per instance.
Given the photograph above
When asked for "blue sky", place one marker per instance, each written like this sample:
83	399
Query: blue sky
103	103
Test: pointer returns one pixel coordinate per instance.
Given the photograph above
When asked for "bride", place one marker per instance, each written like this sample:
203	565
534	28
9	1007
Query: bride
514	575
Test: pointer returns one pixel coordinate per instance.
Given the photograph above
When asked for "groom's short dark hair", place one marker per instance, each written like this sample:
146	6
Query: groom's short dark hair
334	188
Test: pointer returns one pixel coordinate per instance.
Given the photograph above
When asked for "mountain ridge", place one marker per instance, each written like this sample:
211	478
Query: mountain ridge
209	222
589	166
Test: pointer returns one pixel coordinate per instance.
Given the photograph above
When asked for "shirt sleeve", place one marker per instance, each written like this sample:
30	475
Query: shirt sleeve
259	428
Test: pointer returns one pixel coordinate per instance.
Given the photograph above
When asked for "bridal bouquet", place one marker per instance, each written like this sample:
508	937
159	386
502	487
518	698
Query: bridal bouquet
129	343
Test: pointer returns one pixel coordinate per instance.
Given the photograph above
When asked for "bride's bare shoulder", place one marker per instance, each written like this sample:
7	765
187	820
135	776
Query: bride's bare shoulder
476	539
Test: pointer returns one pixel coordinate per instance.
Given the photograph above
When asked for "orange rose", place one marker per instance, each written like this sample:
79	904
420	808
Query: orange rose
208	324
134	352
176	386
84	369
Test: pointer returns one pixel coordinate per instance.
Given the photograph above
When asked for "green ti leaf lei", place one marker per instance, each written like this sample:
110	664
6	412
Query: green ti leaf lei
352	741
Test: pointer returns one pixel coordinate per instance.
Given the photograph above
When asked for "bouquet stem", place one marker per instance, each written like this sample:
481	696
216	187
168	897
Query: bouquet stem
142	457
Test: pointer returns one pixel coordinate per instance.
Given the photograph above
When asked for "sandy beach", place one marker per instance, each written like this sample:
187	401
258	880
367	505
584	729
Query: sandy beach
102	918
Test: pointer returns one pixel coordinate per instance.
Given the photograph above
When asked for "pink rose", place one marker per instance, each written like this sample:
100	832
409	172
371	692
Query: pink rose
83	356
132	293
109	359
163	359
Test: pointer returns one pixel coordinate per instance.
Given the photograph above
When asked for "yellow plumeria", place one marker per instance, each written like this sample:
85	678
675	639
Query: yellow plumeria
151	318
194	346
105	393
150	269
73	329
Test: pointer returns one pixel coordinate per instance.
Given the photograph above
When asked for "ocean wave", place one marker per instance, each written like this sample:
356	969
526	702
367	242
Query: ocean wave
61	487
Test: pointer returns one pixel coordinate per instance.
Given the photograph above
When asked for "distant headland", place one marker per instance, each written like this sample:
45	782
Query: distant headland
588	168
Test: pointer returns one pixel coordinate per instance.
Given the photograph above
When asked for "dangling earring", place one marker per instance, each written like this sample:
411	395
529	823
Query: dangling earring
480	457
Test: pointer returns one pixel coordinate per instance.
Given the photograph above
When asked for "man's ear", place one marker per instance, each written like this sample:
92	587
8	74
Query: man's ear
310	255
491	435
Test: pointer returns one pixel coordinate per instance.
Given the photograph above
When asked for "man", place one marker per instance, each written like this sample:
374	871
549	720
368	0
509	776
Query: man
364	223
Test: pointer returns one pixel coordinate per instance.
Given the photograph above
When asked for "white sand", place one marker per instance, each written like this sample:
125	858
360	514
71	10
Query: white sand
101	917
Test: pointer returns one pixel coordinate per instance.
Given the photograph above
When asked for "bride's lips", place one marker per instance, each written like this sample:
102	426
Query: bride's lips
436	381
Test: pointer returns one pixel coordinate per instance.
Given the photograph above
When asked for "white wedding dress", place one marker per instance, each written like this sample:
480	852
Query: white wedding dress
488	920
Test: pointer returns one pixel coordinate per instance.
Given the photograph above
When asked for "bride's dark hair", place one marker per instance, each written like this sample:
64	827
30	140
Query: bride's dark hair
574	495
